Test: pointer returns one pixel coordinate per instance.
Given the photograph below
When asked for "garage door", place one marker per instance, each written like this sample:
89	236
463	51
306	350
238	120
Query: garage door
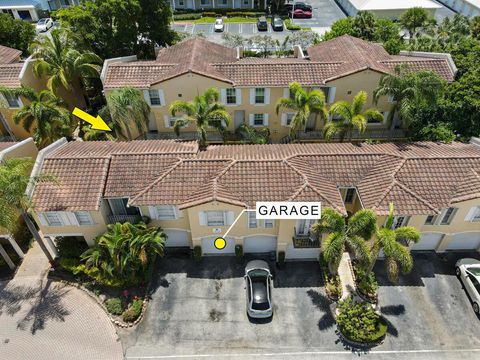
302	253
177	238
465	241
259	244
208	247
428	241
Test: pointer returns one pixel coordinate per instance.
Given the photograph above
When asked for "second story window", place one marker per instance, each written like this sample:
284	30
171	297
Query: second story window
166	212
231	96
399	221
204	2
13	102
215	218
252	220
349	195
430	220
448	215
83	218
53	219
260	96
155	99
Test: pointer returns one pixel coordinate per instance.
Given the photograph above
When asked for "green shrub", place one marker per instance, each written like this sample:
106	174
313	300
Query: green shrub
187	16
210	14
197	253
114	306
366	284
239	252
69	264
134	311
251	53
290	26
359	322
70	247
281	258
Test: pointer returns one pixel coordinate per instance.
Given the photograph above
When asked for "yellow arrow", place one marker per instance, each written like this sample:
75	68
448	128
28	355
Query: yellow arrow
96	122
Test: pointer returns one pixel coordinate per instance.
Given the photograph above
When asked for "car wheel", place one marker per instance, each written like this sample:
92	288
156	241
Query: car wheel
476	308
457	271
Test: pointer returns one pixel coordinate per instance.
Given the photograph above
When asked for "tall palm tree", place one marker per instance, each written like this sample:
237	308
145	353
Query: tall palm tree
355	233
408	90
304	103
90	134
14	179
204	111
351	117
397	255
250	135
127	108
63	64
45	114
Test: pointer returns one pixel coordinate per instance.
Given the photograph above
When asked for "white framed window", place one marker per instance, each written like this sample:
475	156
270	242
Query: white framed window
258	119
181	2
259	95
447	216
215	218
12	101
169	121
53	218
269	223
399	221
154	96
231	96
204	2
166	212
349	195
83	218
252	220
430	220
474	214
287	119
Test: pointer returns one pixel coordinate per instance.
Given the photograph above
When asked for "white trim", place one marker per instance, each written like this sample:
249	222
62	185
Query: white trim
107	62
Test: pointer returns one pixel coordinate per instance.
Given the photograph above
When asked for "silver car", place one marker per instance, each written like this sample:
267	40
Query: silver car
258	281
468	270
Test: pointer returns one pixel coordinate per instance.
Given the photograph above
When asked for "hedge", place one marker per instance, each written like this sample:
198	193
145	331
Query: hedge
187	16
290	26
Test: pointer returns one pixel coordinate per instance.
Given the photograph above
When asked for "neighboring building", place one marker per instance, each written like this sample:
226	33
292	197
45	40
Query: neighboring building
217	4
387	8
9	150
32	10
196	195
251	87
15	72
468	8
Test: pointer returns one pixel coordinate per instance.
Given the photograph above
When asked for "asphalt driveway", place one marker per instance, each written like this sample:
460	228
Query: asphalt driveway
199	309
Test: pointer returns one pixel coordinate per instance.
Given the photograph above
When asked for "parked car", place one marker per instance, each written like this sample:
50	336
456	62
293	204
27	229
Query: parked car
298	5
219	26
277	23
262	24
301	14
44	24
468	270
258	281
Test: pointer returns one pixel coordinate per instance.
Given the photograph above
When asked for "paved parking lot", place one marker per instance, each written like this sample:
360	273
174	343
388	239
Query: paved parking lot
198	311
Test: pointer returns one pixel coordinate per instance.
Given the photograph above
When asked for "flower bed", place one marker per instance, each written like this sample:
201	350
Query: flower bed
367	285
333	285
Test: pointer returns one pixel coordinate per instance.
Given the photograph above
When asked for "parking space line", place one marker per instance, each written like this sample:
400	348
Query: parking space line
226	27
240	29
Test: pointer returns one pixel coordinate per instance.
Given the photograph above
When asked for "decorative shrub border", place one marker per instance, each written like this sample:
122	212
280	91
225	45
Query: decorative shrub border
355	344
357	290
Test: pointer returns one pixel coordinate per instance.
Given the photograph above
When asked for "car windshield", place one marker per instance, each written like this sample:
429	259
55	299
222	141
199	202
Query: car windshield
218	21
259	292
42	21
257	274
474	270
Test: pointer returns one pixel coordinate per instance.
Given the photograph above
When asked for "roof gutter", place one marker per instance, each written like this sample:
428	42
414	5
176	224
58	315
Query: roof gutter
115	60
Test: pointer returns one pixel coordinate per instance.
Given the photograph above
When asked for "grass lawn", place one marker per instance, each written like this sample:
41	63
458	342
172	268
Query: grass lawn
211	20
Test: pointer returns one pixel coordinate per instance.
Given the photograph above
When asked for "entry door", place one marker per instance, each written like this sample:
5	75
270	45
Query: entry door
310	123
303	226
239	118
189	4
236	4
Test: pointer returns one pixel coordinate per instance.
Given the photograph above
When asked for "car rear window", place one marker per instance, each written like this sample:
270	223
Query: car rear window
261	306
41	21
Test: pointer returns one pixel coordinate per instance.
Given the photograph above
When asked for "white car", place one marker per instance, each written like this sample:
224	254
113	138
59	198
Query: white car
258	281
219	26
44	24
468	270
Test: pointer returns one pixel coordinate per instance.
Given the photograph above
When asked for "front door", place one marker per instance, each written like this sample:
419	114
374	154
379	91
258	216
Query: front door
189	4
239	118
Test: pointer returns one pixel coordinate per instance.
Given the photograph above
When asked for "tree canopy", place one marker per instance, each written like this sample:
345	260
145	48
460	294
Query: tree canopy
16	33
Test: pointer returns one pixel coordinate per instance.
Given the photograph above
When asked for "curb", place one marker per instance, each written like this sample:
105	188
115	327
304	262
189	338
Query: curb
360	345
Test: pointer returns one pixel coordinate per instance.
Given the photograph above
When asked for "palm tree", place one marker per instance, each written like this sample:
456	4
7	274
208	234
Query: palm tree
303	103
364	25
397	255
14	179
351	116
45	113
65	66
127	108
355	233
250	135
122	255
204	111
90	134
408	91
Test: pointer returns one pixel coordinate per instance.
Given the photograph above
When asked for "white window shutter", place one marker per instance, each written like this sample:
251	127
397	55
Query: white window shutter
166	120
178	213
42	219
223	95
72	219
202	218
230	217
161	94
265	119
250	119
284	119
471	213
252	96
64	218
20	103
286	93
146	96
153	212
267	96
331	94
238	94
385	116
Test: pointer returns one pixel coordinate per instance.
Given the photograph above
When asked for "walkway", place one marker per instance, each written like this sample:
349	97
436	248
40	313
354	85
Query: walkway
41	319
346	277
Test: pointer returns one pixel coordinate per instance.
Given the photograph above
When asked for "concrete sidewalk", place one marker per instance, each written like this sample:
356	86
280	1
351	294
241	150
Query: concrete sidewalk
346	277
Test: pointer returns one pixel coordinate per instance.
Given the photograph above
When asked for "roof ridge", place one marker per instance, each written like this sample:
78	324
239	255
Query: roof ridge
411	192
390	186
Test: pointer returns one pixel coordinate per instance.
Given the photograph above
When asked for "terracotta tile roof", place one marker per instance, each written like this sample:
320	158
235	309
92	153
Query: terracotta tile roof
9	75
9	55
420	178
5	145
328	60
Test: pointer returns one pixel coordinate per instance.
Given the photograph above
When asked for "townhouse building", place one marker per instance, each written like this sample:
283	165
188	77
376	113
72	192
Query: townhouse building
217	4
195	195
10	150
251	87
16	72
392	9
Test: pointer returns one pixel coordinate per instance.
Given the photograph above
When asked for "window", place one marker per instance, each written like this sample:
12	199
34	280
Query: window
154	97
430	220
399	221
53	219
181	3
252	220
258	119
259	96
12	101
245	2
83	218
204	2
349	194
373	121
473	214
166	212
448	216
215	218
222	2
288	119
326	92
269	223
231	96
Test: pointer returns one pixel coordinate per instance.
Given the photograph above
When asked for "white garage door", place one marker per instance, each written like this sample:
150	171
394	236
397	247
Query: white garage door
465	241
302	253
177	238
208	246
259	244
428	241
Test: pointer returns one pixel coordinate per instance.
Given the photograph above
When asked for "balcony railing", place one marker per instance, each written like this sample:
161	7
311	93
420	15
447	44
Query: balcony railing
309	240
133	219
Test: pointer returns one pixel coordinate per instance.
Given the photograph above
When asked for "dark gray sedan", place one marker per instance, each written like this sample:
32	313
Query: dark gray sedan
258	281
